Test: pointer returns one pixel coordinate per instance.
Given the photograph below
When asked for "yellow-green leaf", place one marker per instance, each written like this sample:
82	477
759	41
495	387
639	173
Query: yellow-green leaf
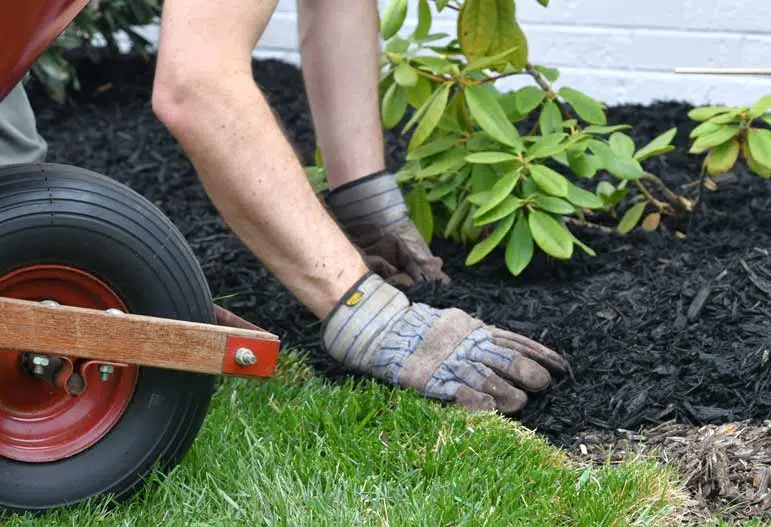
660	144
550	119
548	145
394	105
393	18
503	209
528	98
508	33
752	163
405	75
420	93
424	20
631	217
477	23
759	143
457	218
586	107
721	159
490	158
707	112
555	205
443	163
719	136
583	198
499	192
549	180
483	248
420	212
621	144
434	147
431	118
519	249
707	127
486	109
550	235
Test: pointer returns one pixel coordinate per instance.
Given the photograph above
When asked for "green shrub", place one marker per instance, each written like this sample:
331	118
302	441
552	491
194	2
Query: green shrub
100	19
473	174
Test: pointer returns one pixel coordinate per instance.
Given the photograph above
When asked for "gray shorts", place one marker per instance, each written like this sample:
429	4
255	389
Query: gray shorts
20	141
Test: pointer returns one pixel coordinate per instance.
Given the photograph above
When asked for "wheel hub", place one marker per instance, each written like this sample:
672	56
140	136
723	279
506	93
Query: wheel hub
57	406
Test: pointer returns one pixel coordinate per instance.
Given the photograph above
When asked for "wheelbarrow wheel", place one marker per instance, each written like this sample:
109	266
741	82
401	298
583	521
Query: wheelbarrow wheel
79	238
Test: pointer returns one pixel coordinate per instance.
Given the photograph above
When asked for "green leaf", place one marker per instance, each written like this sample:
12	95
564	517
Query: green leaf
631	217
420	93
519	249
528	99
490	157
722	159
582	164
707	112
435	64
485	62
659	145
550	181
551	74
727	118
555	205
583	198
431	119
476	25
393	18
486	109
587	108
502	210
550	119
621	144
707	127
604	130
725	133
424	20
620	167
443	188
420	212
483	177
431	148
550	235
405	75
394	105
499	192
548	146
588	250
444	162
457	218
759	144
483	248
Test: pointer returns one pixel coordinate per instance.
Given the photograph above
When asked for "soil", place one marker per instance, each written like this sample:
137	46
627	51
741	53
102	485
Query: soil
669	338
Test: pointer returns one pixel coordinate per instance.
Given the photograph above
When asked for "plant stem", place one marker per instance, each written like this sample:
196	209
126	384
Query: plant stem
656	203
593	226
697	205
669	194
497	77
545	86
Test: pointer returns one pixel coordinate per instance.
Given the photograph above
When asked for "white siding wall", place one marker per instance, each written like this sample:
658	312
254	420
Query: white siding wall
621	50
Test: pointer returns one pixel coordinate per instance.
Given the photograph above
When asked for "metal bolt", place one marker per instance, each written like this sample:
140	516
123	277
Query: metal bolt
53	303
106	370
245	357
40	362
113	311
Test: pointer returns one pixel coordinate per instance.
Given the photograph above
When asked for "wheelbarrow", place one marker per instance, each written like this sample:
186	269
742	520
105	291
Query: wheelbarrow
110	342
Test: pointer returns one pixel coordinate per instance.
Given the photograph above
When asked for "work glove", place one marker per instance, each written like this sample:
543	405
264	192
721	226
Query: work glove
374	215
443	354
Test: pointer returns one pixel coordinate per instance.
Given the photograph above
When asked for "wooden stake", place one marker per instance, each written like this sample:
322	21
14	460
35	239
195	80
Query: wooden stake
135	339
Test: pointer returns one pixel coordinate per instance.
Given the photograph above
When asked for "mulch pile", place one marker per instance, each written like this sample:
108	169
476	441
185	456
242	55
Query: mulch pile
669	338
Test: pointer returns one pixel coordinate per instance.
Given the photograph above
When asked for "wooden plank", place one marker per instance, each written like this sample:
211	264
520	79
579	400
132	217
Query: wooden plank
133	339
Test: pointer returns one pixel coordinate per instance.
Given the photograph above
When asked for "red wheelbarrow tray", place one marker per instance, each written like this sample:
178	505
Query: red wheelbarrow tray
27	28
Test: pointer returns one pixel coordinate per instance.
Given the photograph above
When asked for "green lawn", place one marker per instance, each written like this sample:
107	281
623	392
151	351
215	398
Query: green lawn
298	450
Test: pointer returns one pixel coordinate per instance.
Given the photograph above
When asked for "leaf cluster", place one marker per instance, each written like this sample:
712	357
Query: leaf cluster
100	20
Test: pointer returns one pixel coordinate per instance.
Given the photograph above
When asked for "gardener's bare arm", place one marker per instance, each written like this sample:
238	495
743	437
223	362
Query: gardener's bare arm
340	47
205	94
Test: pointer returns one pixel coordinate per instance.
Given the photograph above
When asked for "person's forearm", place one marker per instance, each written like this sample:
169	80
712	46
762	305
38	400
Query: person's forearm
211	104
340	47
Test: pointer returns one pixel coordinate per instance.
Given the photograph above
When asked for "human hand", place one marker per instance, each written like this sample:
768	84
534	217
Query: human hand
372	212
444	354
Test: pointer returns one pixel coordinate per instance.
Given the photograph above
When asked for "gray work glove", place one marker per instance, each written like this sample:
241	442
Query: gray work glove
444	354
374	215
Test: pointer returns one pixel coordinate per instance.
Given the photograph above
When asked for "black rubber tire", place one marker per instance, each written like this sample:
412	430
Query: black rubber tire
67	215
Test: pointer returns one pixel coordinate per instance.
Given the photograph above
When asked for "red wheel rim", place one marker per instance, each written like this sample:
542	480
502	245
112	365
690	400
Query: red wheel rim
38	421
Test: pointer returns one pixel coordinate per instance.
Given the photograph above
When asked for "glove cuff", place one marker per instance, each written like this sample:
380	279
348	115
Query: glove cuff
352	331
374	200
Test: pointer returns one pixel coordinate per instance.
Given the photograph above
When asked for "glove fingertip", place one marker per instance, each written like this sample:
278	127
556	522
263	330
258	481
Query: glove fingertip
473	400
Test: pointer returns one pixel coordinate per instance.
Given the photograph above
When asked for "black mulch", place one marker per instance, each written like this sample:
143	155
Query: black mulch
656	328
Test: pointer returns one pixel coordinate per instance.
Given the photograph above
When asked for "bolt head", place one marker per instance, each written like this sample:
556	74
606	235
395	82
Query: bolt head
245	357
40	360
